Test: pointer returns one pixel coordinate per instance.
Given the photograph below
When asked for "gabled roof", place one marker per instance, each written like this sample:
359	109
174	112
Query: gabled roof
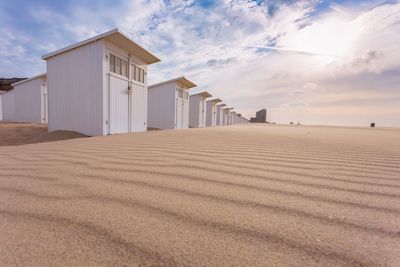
216	100
182	80
228	108
43	75
221	105
203	93
116	37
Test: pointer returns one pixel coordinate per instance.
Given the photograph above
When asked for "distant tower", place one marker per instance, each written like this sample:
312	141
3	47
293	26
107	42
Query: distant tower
261	116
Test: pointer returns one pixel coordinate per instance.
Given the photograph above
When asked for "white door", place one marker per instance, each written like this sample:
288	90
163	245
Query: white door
202	113
44	108
179	114
119	105
213	115
185	114
139	108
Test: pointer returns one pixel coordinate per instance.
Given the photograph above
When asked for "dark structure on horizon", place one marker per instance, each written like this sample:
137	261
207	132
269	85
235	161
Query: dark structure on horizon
261	117
5	83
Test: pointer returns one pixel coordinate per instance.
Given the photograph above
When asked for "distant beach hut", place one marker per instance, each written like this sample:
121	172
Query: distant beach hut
220	114
197	109
27	102
168	106
238	118
1	105
211	112
233	117
226	117
99	86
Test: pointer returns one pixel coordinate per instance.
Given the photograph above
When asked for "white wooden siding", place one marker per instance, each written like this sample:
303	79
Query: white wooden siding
75	90
138	99
139	108
8	103
161	106
1	110
220	115
27	101
119	105
211	113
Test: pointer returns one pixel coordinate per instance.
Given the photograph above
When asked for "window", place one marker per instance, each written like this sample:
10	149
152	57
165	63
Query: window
118	65
112	63
138	74
180	92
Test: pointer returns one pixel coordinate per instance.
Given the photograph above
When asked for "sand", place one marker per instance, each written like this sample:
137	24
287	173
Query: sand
13	134
248	195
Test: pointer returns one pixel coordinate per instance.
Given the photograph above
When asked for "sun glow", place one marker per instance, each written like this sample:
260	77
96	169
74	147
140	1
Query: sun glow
331	38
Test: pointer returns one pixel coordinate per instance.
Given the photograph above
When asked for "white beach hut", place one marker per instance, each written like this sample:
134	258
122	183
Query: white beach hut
238	118
99	86
226	117
27	101
233	117
8	103
197	109
168	106
220	114
211	112
1	104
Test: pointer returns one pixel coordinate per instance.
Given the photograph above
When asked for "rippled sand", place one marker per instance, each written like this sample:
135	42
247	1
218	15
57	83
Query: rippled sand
239	195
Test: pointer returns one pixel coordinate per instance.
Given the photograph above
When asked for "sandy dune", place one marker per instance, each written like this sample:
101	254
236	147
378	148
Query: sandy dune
239	195
13	134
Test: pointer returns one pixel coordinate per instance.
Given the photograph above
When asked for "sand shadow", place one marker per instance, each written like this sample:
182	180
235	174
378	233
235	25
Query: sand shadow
15	134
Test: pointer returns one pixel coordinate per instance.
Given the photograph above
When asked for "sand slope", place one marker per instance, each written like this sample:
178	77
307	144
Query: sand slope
14	134
240	195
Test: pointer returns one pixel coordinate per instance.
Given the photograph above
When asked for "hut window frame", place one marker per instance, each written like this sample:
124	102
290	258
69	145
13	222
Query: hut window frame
118	65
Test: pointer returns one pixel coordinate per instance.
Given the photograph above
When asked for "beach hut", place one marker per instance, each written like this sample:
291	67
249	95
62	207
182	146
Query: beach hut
239	118
168	106
197	109
8	111
226	112
211	112
27	101
1	105
220	114
233	117
99	86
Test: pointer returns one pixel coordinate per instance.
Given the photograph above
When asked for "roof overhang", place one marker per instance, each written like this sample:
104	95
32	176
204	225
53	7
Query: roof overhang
119	39
203	93
43	75
221	105
182	80
215	100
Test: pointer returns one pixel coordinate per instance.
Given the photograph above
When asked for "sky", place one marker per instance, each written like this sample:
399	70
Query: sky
313	62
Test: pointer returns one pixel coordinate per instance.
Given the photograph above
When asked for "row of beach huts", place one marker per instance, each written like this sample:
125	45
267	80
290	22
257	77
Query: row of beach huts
99	87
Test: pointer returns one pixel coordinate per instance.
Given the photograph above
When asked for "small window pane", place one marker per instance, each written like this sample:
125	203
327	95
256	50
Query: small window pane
112	63
124	69
180	92
137	74
117	65
134	72
141	75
